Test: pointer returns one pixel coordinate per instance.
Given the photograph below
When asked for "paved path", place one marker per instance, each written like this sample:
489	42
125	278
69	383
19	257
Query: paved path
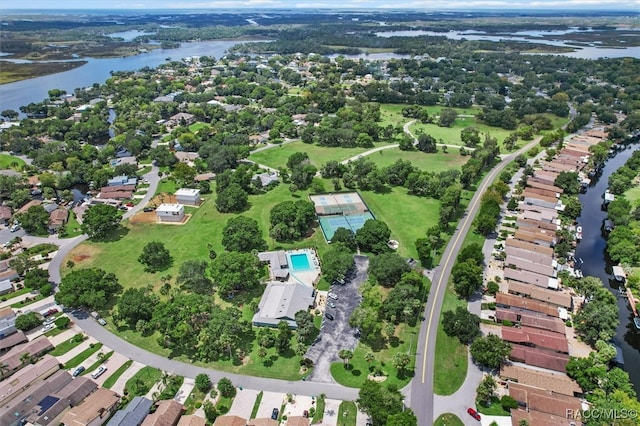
331	410
420	393
64	358
243	403
185	390
120	384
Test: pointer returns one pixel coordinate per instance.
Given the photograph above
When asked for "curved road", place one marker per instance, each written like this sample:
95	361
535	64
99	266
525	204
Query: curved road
421	392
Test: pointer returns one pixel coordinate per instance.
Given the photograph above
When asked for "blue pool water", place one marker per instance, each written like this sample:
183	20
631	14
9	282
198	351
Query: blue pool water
299	262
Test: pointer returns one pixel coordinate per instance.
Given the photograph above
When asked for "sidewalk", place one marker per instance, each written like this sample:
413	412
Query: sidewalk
185	390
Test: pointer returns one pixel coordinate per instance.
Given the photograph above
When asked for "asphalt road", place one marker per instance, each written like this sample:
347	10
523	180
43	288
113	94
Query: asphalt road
421	391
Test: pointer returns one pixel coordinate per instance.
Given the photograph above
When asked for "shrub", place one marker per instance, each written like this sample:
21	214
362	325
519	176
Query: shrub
62	322
203	382
493	288
46	290
27	321
226	388
198	405
507	323
508	403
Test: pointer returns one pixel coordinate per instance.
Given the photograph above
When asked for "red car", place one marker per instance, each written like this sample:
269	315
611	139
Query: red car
473	413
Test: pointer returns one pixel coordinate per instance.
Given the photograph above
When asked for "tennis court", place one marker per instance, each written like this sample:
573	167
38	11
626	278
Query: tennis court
330	224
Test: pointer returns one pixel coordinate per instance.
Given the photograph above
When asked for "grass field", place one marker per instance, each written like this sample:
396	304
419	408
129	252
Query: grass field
82	356
448	419
72	228
356	373
318	155
11	162
495	409
451	135
633	194
143	381
347	413
436	162
65	347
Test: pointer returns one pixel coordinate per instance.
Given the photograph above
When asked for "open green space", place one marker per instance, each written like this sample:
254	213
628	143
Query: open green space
632	194
318	155
10	162
112	379
347	413
65	347
435	162
72	228
494	408
79	359
358	370
407	216
448	419
450	367
142	381
451	135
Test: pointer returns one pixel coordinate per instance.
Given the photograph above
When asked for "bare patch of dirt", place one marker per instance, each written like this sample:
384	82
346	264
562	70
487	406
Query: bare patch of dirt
83	254
151	217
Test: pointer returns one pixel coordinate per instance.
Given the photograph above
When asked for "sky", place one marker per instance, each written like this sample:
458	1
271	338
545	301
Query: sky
578	5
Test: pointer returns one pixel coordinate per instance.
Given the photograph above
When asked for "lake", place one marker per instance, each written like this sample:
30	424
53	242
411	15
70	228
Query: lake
14	95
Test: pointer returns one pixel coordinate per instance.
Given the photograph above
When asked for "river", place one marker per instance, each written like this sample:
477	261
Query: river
15	95
596	262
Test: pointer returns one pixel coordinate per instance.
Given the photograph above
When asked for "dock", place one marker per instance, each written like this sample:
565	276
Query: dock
632	302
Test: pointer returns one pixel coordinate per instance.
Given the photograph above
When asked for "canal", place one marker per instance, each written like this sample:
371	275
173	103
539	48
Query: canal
595	261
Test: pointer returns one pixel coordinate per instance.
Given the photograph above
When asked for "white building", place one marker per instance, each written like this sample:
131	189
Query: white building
170	212
188	196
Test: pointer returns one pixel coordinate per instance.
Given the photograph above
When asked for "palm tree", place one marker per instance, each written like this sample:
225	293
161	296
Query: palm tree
26	358
369	358
345	355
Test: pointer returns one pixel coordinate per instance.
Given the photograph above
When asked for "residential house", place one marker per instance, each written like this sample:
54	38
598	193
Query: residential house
181	119
531	191
30	204
528	318
525	245
6	286
187	157
36	347
122	180
27	378
230	421
281	302
188	196
539	185
11	340
528	277
170	212
5	215
204	177
58	218
547	238
535	224
525	265
538	357
7	322
538	418
51	409
167	413
536	338
262	422
552	297
510	300
191	420
116	195
540	259
267	178
129	159
550	380
278	264
94	410
298	421
133	414
545	401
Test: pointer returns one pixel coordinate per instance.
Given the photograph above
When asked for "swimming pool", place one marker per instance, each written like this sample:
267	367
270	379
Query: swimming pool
299	262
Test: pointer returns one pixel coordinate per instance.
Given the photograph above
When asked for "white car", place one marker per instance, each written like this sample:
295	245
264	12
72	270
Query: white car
98	372
333	296
48	327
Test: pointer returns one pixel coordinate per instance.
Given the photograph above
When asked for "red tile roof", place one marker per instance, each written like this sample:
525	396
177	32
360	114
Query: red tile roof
536	337
539	357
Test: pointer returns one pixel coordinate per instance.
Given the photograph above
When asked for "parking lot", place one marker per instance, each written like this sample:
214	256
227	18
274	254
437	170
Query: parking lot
337	334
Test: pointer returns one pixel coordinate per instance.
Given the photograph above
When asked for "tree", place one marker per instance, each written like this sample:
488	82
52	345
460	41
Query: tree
155	257
62	322
467	277
569	182
486	389
373	236
90	288
597	320
369	357
35	221
387	268
400	361
226	388
210	411
379	402
297	159
193	277
470	136
36	278
424	249
134	305
490	351
232	199
233	271
345	355
336	262
100	220
447	117
283	339
427	143
461	324
291	220
405	418
346	237
508	403
305	327
183	174
26	322
203	382
242	234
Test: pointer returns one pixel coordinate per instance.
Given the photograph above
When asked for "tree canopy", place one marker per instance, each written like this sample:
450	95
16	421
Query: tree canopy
193	277
373	236
90	288
242	234
292	220
155	257
387	268
100	220
462	324
234	271
490	351
379	401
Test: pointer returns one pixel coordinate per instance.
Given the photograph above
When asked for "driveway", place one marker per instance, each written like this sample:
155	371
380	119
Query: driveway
270	400
331	410
337	334
243	403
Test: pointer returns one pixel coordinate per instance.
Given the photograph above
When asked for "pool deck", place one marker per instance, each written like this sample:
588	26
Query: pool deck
307	277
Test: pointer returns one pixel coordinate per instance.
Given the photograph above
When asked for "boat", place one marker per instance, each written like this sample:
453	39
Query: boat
619	274
636	322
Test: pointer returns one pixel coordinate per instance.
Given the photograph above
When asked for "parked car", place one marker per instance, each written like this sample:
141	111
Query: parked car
333	296
331	304
78	371
49	321
275	413
102	321
305	414
50	312
473	413
15	228
341	281
147	209
47	327
328	316
99	372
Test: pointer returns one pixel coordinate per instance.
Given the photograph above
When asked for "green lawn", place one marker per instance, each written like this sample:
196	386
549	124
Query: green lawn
65	347
196	397
451	135
27	301
224	404
143	381
72	228
82	356
448	419
10	162
319	414
632	194
256	405
495	409
167	186
112	379
15	294
407	216
392	114
451	366
436	162
356	373
347	413
318	155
